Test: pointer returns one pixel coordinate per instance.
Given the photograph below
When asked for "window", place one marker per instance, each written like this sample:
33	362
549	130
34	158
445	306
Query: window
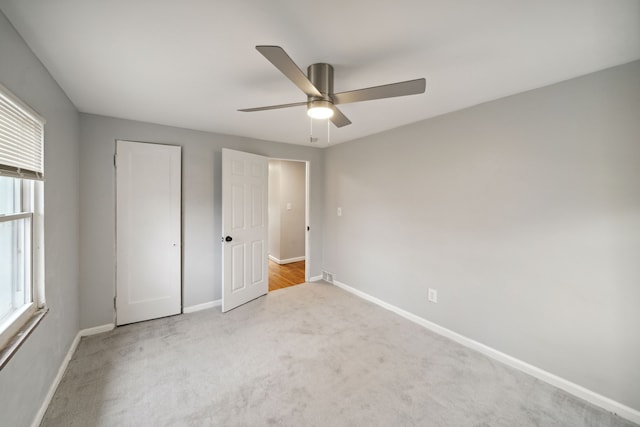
21	222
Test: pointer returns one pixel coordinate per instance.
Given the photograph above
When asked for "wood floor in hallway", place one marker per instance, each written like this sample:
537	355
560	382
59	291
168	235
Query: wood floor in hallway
285	275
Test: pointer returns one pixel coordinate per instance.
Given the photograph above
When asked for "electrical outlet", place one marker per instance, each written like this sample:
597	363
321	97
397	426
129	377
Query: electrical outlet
433	295
339	211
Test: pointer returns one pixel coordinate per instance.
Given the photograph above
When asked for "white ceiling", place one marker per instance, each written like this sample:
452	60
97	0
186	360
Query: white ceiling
193	63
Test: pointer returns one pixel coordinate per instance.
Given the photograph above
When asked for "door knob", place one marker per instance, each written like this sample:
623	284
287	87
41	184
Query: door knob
228	239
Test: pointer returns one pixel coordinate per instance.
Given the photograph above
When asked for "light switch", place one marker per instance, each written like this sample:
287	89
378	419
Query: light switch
339	211
288	206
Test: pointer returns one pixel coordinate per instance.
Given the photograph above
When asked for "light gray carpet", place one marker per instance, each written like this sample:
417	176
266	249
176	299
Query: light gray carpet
309	355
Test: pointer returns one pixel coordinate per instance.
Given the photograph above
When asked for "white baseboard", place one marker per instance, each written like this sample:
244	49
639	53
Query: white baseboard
97	330
203	306
315	278
286	261
561	383
63	367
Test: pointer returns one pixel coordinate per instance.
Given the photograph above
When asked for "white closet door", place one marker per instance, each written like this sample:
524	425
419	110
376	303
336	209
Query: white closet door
148	231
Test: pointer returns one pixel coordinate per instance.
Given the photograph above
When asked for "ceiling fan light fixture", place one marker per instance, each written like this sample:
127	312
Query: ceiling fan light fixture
320	109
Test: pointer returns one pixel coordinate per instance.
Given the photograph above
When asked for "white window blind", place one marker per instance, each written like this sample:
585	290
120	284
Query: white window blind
21	138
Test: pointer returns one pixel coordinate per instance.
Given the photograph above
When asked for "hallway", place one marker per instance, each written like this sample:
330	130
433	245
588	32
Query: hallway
285	275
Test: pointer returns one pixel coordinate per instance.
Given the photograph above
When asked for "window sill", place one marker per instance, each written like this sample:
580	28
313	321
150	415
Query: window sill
11	347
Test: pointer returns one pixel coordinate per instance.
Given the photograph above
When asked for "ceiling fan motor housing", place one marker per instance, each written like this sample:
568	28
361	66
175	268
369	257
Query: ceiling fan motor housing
321	76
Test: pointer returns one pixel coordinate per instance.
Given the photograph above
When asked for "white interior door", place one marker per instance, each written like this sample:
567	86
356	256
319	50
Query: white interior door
244	227
148	232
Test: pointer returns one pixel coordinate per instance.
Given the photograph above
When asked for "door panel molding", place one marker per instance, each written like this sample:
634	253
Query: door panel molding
244	227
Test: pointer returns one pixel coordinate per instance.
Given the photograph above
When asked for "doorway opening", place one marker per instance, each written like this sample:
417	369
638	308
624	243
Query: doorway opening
288	223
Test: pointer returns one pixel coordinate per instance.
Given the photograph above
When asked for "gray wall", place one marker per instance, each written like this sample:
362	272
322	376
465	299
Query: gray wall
524	214
201	173
25	380
286	226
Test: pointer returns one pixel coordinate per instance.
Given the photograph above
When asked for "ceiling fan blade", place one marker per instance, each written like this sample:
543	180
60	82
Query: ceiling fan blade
338	118
410	87
278	57
273	107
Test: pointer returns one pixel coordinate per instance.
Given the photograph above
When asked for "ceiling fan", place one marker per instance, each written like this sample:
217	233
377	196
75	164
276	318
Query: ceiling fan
318	86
